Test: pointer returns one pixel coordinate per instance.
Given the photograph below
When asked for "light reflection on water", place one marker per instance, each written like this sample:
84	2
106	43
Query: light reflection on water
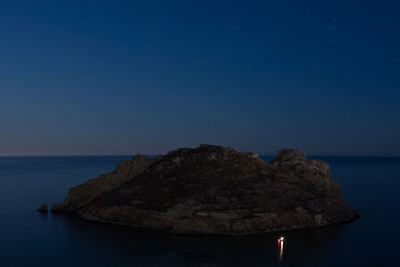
214	250
281	242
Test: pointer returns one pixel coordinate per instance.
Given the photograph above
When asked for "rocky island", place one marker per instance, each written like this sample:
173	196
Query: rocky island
212	189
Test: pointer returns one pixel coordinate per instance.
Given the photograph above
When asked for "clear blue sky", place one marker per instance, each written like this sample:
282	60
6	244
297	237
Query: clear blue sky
121	77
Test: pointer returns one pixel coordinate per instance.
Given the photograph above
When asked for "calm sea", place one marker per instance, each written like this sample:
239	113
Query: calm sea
27	238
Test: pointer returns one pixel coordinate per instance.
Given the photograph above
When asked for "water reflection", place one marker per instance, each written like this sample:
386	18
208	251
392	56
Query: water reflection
134	247
280	246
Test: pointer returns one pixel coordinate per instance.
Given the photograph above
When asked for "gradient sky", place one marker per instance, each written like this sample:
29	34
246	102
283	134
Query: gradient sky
121	77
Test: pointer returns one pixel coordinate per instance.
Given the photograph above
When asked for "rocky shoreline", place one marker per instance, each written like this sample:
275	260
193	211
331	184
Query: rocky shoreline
212	190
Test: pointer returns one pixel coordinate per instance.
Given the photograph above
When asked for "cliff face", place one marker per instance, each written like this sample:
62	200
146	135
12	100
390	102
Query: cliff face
213	189
81	195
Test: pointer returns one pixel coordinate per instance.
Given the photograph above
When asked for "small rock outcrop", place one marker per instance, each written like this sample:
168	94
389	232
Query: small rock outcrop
43	208
212	189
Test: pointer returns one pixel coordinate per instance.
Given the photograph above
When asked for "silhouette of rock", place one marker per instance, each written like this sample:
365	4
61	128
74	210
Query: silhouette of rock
43	208
212	189
81	195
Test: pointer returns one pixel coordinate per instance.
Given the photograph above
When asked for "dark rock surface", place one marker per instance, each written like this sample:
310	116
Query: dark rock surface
43	208
81	195
212	189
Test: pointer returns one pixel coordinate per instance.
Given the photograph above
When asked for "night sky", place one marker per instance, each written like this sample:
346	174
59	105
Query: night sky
122	77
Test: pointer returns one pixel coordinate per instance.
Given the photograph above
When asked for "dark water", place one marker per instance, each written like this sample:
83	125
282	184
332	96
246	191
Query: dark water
27	238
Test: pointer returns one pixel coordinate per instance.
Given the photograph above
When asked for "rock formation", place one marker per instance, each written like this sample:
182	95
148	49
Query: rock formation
43	208
81	195
212	189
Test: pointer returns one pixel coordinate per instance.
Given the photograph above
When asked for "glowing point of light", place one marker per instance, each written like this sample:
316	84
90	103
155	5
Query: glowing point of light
280	245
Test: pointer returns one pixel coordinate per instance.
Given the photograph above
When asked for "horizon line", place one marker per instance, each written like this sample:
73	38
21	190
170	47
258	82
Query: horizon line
133	154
